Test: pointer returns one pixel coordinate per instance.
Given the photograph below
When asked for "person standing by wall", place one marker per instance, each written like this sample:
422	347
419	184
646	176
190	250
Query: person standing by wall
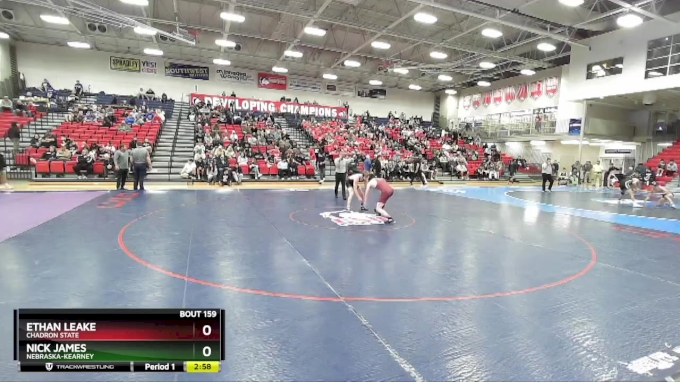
341	163
597	171
546	172
14	135
121	161
141	163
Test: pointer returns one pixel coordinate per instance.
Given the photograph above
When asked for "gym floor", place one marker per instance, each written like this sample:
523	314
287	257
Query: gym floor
470	283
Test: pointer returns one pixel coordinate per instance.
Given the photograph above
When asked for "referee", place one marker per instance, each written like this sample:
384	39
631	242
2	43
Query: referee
546	172
141	162
341	163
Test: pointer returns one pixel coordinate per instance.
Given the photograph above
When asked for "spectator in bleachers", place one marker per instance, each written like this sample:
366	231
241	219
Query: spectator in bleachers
199	151
661	168
200	168
134	143
14	135
189	170
671	168
164	98
64	154
282	166
121	162
6	104
84	162
78	89
45	86
3	173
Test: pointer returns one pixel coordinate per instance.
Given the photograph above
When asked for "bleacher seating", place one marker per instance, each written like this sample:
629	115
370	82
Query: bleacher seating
671	152
84	134
6	119
303	170
106	99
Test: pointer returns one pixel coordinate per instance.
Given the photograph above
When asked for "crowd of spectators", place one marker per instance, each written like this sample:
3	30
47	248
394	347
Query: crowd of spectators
230	145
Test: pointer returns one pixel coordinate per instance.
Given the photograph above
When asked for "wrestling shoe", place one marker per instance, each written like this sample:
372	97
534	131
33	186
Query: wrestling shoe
377	213
364	209
389	221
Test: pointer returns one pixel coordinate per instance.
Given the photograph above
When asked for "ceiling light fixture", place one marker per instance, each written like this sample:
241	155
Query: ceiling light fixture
655	74
142	3
225	43
375	82
54	19
222	62
228	16
450	91
279	69
425	18
483	83
153	52
292	53
78	44
528	72
400	70
352	63
487	65
381	45
444	77
4	36
145	31
438	55
314	31
572	3
414	87
546	47
491	33
330	76
629	20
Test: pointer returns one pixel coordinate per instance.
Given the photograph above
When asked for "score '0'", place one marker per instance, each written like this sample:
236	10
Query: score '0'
207	351
207	330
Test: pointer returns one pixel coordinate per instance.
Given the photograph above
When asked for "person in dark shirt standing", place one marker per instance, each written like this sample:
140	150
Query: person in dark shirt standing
321	165
341	164
121	161
141	163
14	135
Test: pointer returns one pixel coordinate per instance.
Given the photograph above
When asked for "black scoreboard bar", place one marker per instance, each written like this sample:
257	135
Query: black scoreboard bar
137	367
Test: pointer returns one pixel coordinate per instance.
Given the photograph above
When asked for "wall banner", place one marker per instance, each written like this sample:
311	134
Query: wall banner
498	97
304	85
340	89
124	64
476	101
235	75
486	99
536	89
467	101
522	92
551	86
247	104
187	71
272	81
510	94
149	67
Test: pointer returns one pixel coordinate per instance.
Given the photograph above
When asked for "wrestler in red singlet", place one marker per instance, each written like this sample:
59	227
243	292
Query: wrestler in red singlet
386	192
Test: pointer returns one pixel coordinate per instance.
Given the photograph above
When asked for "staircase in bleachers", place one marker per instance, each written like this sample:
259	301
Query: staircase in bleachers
297	134
30	126
670	152
175	145
435	114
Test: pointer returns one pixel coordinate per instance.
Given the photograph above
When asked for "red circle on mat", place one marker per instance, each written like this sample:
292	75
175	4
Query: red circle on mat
261	292
376	228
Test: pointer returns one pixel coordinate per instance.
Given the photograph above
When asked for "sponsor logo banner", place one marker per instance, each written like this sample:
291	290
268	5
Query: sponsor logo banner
340	89
238	76
304	85
124	64
247	104
272	81
187	71
149	67
551	86
350	218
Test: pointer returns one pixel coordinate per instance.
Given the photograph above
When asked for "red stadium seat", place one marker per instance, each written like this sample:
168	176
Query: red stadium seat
273	170
42	167
264	168
245	169
69	167
57	167
98	168
301	170
309	170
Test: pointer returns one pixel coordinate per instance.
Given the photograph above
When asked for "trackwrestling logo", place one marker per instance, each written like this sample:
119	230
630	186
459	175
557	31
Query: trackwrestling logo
349	218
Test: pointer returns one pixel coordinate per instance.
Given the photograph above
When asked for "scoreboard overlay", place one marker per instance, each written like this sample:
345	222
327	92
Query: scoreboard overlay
119	340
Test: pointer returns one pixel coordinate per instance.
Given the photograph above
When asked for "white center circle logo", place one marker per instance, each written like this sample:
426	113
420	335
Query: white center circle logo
350	218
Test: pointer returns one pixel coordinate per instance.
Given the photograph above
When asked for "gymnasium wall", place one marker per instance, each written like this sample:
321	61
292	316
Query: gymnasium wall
63	66
5	68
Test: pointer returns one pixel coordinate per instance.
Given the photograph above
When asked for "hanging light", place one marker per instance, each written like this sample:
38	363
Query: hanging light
330	76
630	20
546	47
52	19
4	36
425	18
487	65
279	69
491	33
292	53
228	16
572	3
400	70
222	62
528	72
141	3
381	45
145	31
444	77
375	82
314	31
450	91
438	55
225	43
78	44
352	63
414	87
153	52
483	83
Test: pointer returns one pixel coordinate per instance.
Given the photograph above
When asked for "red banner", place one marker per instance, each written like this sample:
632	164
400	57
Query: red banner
248	104
536	89
272	81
